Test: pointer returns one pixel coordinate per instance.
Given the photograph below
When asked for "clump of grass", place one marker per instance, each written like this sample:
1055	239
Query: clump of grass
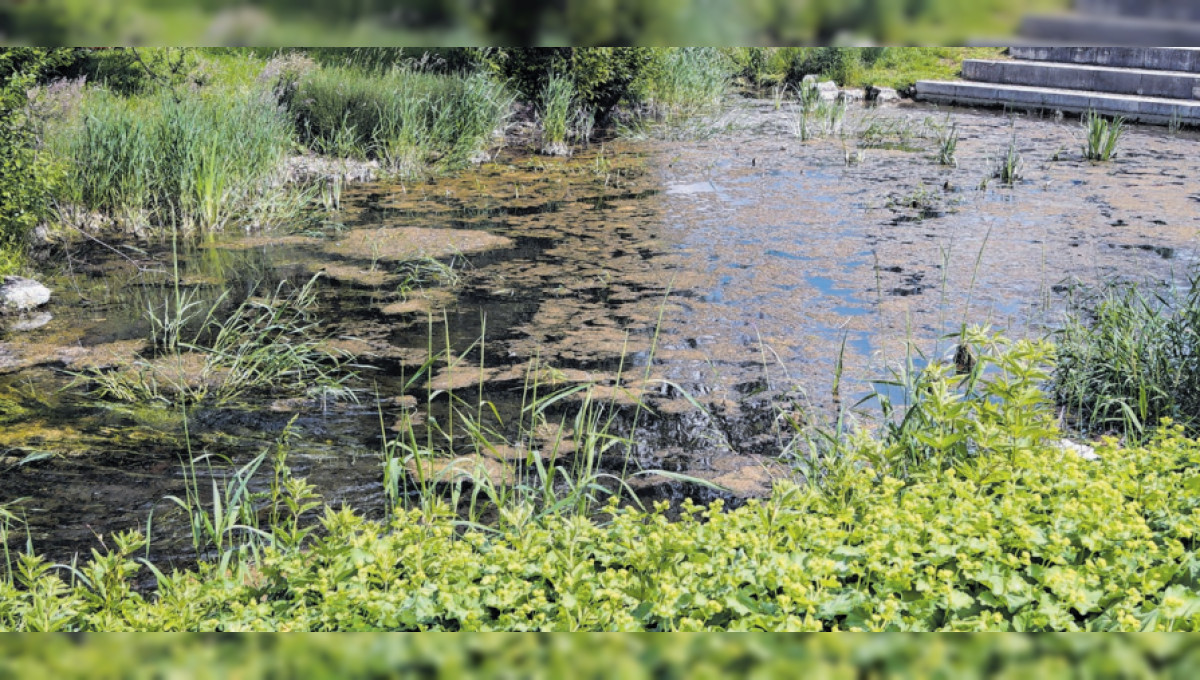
1103	136
813	116
198	161
554	109
413	121
264	345
1011	167
948	146
686	81
1129	357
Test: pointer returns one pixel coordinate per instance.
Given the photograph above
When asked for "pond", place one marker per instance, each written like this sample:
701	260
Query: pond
717	280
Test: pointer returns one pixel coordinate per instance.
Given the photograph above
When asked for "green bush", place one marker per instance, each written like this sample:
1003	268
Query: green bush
27	176
843	65
604	76
974	518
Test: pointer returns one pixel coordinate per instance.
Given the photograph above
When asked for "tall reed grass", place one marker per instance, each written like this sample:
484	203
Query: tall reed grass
686	81
202	161
411	120
1128	357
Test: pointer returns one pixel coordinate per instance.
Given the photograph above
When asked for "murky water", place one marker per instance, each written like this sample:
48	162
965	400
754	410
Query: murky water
732	268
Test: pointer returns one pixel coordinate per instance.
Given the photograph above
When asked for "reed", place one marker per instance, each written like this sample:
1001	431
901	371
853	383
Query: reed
1103	136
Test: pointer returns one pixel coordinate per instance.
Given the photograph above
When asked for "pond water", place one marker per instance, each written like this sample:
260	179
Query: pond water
716	280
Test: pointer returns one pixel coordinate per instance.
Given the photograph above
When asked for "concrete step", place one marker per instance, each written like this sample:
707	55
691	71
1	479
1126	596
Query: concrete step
1185	59
1087	29
1133	108
1169	84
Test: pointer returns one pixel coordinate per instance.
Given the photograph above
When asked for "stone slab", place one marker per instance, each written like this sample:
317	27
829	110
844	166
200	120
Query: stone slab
1168	84
1184	59
1155	110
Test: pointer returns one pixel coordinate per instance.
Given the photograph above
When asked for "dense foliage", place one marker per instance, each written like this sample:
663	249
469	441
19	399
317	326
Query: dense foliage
602	76
27	178
974	518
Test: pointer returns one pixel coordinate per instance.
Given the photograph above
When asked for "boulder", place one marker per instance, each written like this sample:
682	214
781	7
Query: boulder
18	294
882	95
828	90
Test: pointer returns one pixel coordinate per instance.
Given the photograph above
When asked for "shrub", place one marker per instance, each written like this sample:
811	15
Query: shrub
27	176
603	76
840	64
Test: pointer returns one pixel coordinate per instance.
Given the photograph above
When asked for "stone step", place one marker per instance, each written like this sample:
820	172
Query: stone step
1173	10
1186	59
1087	29
1133	108
1169	84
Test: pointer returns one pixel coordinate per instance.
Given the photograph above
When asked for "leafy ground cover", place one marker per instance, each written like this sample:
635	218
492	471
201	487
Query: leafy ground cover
975	518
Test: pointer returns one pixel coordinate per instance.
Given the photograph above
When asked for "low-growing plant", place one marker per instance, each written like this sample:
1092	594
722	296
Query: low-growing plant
1103	136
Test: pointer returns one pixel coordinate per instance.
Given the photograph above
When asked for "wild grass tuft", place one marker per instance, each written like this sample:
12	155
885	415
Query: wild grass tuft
948	146
413	121
1103	136
555	109
1011	167
813	116
262	345
202	161
1129	357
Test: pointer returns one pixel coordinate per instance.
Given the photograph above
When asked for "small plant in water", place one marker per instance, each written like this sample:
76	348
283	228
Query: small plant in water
948	146
1103	135
1011	168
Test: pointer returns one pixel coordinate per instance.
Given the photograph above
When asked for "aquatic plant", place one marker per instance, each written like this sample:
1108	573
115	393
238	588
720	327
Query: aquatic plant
199	161
813	116
684	82
261	345
1103	135
555	105
948	146
413	121
1011	167
1128	358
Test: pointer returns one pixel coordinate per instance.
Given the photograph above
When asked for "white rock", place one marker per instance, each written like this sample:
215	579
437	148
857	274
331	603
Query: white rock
18	293
882	95
828	90
1082	450
852	95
